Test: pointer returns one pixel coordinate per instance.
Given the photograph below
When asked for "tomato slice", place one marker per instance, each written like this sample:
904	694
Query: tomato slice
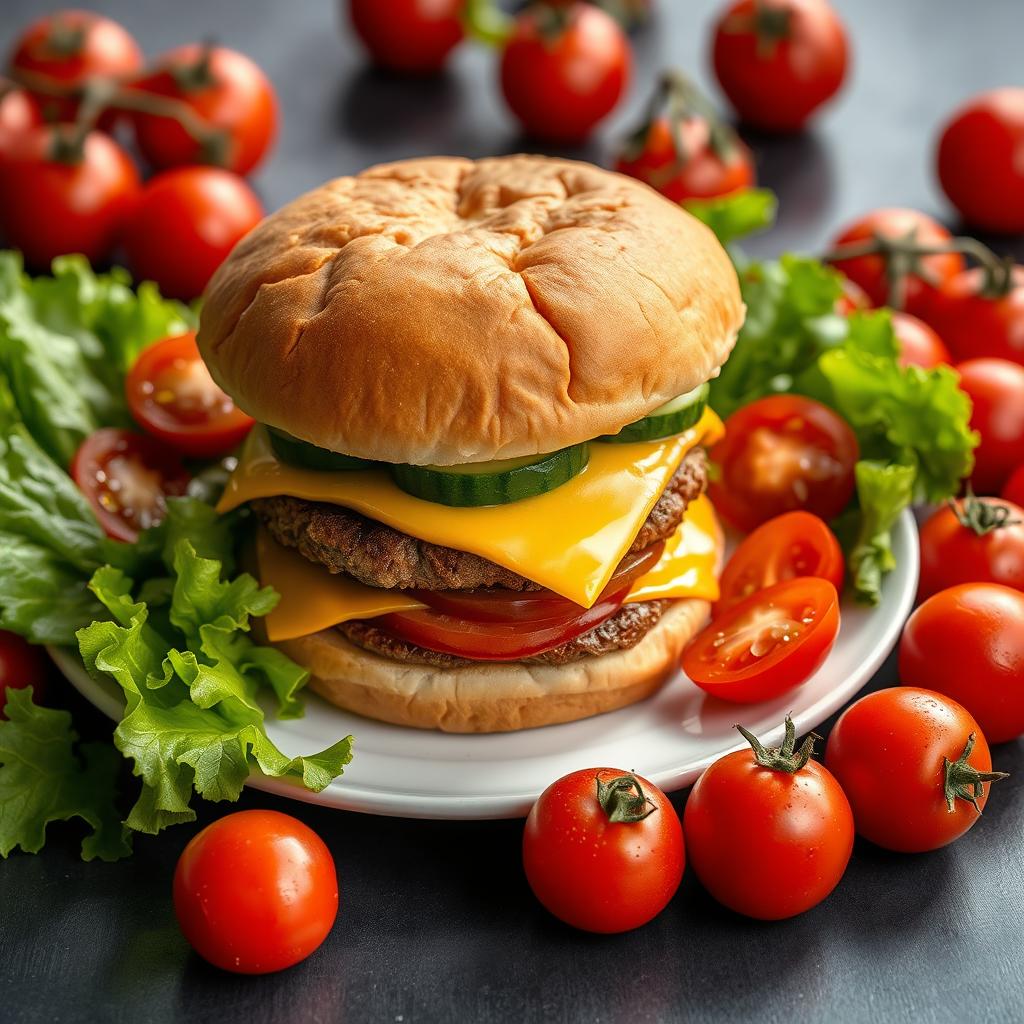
126	478
767	644
793	544
173	397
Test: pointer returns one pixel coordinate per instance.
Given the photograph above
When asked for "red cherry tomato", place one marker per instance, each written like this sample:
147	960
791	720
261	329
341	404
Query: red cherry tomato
770	643
413	36
172	396
779	60
184	225
127	478
18	116
996	389
603	850
791	545
255	892
981	160
21	664
869	272
853	298
768	831
908	760
919	344
783	453
1014	489
968	643
227	90
50	206
561	79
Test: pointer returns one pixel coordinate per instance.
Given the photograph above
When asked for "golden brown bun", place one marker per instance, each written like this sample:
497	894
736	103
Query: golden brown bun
495	697
445	311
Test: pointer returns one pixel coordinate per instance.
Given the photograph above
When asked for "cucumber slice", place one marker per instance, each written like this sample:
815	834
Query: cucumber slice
492	483
671	418
309	456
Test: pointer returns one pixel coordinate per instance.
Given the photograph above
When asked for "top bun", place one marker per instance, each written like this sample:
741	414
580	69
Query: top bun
442	311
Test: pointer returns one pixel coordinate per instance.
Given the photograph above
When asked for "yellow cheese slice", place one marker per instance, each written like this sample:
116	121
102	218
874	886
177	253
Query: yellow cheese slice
313	599
569	540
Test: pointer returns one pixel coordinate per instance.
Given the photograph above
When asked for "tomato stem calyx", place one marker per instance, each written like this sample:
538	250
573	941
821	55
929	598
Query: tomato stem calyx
982	516
963	781
196	75
785	758
623	799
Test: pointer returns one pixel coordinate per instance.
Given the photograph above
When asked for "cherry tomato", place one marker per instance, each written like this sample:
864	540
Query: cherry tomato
1014	489
223	87
563	71
768	831
603	850
779	60
869	272
769	643
981	160
184	225
919	344
413	36
968	643
793	544
52	204
782	453
913	764
996	389
18	116
853	298
255	892
21	664
975	540
127	478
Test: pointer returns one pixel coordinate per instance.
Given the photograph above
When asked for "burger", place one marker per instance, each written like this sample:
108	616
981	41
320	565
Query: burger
478	466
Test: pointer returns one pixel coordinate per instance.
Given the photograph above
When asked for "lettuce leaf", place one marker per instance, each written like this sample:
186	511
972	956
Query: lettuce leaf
738	215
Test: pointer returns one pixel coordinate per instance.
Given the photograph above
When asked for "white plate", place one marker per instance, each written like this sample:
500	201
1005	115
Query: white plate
668	739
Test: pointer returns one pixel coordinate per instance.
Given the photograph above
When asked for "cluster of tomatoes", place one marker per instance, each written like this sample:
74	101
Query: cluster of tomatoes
200	117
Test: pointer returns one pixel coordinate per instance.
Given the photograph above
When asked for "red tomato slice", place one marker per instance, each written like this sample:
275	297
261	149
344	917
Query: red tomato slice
788	546
173	397
767	644
127	478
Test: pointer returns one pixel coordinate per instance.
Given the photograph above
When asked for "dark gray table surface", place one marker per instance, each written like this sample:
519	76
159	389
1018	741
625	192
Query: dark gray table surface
436	922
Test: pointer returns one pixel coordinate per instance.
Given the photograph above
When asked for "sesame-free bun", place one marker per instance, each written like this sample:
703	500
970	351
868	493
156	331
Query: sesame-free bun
447	310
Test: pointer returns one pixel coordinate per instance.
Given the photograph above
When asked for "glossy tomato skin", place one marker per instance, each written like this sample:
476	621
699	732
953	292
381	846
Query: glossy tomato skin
1014	489
780	454
778	86
255	892
48	207
981	160
766	843
919	344
596	874
18	116
967	642
21	664
887	753
413	36
560	87
996	390
185	223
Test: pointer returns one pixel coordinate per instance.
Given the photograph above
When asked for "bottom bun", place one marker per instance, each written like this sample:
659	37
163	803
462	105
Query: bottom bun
494	697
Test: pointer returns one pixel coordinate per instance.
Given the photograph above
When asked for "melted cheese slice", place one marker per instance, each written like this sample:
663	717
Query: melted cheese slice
569	540
313	599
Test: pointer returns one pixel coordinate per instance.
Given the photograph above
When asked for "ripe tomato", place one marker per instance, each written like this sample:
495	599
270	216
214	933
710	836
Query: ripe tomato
1014	489
793	544
869	272
414	36
18	116
53	201
768	830
223	87
21	664
185	223
996	388
779	60
981	160
968	643
761	647
255	892
972	541
172	396
782	453
603	850
913	765
126	478
919	344
853	298
562	71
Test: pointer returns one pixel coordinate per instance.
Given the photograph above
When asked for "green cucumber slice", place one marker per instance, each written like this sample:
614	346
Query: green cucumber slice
309	456
671	418
492	483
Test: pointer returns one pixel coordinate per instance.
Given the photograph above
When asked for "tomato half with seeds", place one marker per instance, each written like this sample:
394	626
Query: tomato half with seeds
770	643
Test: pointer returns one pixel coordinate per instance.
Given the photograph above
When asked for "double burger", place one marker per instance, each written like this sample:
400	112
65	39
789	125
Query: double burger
478	467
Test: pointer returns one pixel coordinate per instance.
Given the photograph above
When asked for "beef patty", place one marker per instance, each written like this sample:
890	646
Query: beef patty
379	556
